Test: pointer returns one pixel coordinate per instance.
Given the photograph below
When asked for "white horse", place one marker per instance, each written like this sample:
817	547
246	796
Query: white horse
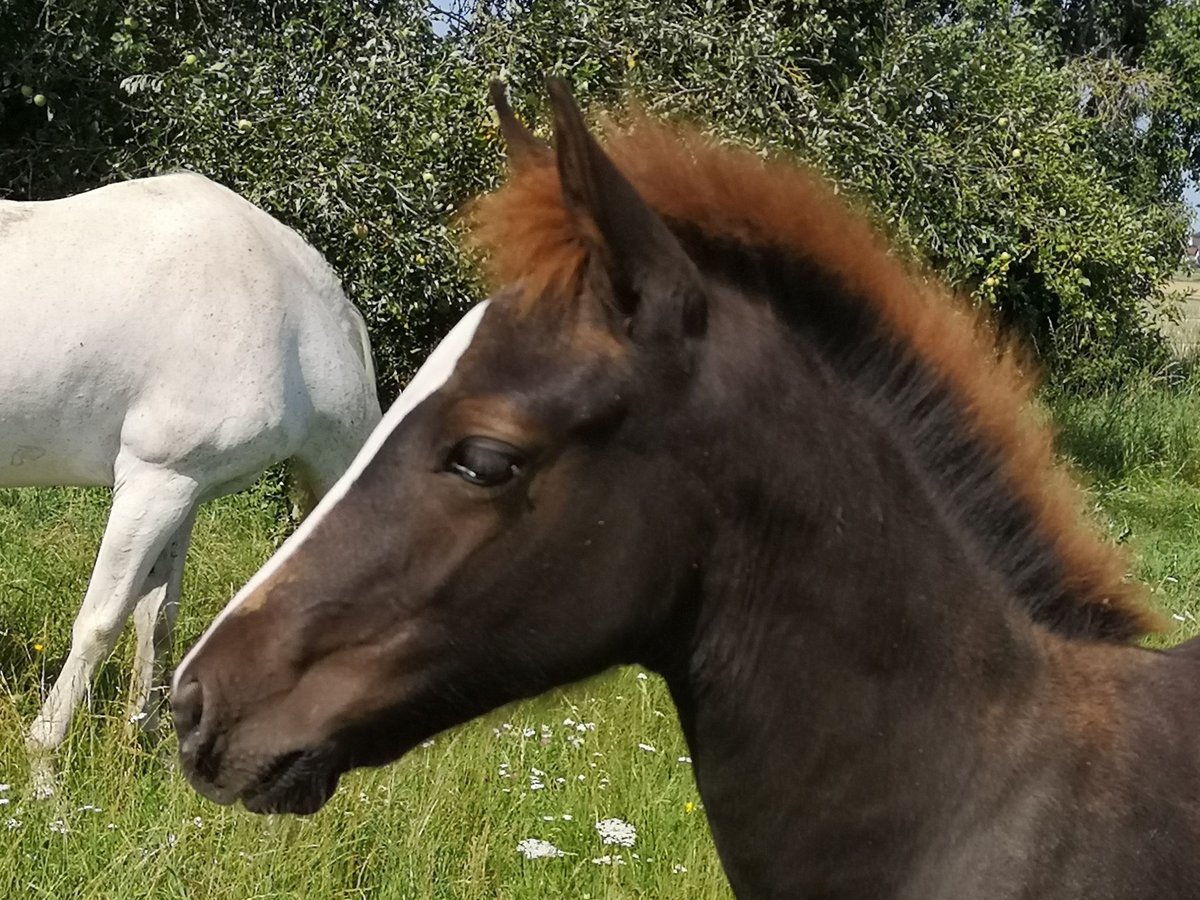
168	339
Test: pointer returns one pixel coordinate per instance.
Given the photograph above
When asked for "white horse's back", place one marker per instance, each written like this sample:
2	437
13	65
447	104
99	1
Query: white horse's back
169	339
132	314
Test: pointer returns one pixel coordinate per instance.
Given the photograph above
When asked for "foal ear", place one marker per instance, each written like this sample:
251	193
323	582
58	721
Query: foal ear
524	150
650	278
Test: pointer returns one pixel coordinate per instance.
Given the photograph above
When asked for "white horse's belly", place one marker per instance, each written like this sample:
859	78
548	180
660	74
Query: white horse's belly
55	428
44	454
139	346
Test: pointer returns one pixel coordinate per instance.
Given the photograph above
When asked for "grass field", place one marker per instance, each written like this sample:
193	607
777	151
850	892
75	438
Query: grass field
446	821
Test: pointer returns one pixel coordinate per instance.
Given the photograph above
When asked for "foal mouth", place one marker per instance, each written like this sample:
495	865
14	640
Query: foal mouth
300	782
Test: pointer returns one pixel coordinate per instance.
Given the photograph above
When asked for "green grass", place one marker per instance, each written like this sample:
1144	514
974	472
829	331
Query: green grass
445	821
1138	449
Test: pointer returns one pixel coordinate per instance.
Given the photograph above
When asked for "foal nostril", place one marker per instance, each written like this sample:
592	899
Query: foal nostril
187	707
194	724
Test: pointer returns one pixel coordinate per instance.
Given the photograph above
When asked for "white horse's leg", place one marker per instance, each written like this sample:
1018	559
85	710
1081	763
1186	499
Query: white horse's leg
149	506
154	624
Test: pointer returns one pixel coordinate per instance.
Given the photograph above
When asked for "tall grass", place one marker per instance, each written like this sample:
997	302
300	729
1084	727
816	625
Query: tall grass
1148	428
446	821
1138	450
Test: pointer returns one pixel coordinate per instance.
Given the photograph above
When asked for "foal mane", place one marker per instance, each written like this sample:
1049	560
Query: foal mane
1023	510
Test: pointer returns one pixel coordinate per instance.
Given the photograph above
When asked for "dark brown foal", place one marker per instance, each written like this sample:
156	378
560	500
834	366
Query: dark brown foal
708	424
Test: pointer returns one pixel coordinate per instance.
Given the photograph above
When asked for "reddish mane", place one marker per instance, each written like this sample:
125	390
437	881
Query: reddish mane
529	239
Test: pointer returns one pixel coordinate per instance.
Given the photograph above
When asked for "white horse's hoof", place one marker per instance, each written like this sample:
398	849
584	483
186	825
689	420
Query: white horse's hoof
41	777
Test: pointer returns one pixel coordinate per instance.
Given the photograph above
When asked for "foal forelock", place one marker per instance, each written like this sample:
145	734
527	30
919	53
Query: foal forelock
433	374
931	366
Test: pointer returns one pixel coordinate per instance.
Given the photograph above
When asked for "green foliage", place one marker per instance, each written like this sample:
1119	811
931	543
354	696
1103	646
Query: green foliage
363	131
967	134
1176	52
1034	156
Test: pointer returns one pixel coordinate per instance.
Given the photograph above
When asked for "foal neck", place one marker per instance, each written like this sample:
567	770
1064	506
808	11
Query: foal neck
850	656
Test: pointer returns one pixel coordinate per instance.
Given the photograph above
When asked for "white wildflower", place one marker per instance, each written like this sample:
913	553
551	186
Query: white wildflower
567	817
198	822
568	721
3	788
641	676
617	831
647	748
535	848
171	839
685	759
58	826
528	732
606	860
3	801
11	824
428	743
585	726
678	869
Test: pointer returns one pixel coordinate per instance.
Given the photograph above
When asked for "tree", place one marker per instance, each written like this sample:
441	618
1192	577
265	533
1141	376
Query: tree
1032	154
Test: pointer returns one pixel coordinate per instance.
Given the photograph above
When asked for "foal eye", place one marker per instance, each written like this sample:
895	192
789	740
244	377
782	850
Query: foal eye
484	461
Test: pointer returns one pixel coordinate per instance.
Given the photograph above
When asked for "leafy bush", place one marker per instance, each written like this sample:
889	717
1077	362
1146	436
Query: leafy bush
1034	170
986	154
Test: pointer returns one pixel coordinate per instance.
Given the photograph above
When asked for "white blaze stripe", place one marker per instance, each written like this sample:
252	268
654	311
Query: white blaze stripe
434	373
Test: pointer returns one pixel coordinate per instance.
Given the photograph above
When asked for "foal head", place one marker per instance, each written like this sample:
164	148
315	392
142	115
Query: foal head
548	496
495	537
